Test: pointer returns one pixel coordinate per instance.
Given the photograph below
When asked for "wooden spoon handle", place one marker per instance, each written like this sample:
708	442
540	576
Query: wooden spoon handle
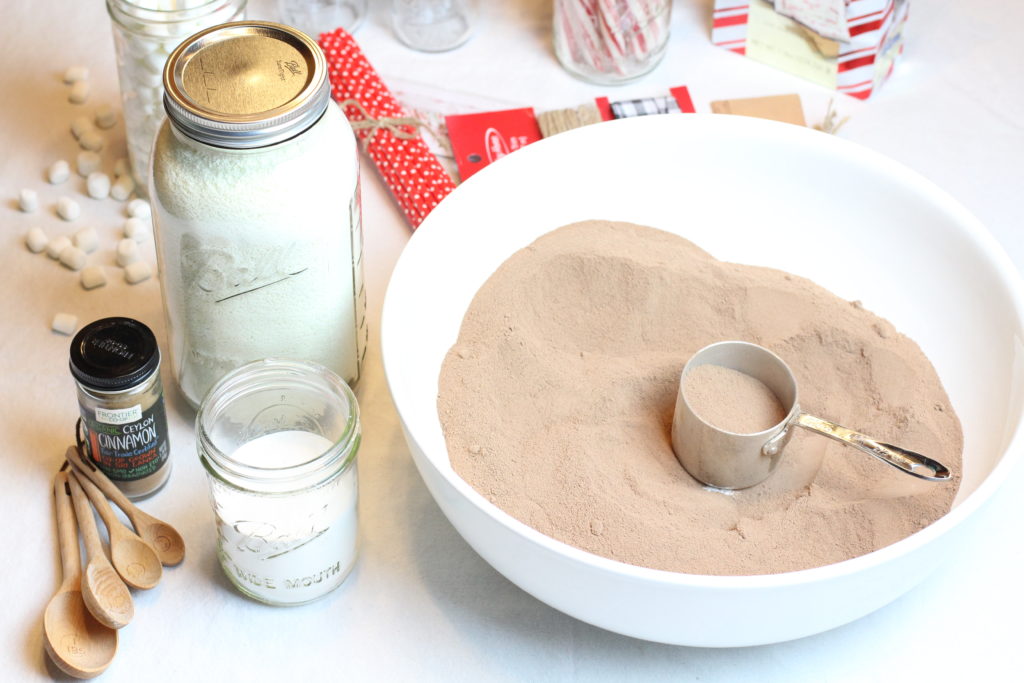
99	502
86	522
91	472
67	531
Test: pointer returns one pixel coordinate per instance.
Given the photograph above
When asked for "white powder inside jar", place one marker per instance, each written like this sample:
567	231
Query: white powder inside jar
287	548
257	256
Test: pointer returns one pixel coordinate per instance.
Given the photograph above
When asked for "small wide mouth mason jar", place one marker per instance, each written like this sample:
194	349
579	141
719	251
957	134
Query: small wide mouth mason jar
278	439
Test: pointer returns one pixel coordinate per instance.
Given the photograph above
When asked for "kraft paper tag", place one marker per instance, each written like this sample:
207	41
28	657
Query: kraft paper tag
785	108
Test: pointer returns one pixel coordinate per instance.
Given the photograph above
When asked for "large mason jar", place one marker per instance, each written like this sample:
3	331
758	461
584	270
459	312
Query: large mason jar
145	32
255	190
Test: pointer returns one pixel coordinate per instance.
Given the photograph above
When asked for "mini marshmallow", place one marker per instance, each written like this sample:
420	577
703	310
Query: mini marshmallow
106	117
80	125
122	188
137	228
87	162
65	323
79	92
93	277
98	185
36	240
75	74
127	252
28	201
87	240
68	208
91	140
57	245
58	172
137	272
121	168
72	257
139	208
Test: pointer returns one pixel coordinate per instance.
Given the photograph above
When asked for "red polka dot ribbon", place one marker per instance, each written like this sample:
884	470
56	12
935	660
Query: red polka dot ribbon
405	163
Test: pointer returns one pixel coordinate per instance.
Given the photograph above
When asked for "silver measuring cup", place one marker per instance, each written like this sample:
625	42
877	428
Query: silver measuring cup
729	460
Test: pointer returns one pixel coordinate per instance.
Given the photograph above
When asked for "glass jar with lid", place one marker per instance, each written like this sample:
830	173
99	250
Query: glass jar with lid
116	366
145	32
255	191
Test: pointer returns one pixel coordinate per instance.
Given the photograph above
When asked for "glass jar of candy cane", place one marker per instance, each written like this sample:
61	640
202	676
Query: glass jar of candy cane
611	41
145	32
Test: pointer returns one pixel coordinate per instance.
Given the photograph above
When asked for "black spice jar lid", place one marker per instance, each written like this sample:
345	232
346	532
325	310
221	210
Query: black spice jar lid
113	354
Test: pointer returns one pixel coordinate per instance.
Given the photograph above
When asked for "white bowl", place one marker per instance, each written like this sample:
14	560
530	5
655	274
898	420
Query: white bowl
749	191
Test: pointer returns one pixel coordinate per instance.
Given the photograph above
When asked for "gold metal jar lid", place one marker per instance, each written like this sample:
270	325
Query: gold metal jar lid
246	84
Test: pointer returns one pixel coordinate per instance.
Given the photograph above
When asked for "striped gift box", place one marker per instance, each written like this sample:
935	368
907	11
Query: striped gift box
857	68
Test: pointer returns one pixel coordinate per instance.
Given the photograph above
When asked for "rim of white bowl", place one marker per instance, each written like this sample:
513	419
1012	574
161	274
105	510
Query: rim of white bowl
992	250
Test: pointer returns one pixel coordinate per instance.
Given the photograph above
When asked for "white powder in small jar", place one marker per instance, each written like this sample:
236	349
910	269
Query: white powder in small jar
287	549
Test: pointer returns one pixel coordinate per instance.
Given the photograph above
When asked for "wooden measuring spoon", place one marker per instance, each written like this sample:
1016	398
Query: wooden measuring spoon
133	558
103	591
79	645
164	538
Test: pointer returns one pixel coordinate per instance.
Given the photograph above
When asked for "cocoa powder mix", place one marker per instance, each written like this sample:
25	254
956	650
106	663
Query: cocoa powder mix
556	403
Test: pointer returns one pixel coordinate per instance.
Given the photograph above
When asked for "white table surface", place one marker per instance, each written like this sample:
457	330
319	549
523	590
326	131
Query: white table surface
421	605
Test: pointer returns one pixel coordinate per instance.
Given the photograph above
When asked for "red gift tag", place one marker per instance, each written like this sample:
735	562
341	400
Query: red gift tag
480	139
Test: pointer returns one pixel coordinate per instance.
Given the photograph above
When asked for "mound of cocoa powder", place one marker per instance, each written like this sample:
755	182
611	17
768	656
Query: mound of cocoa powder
556	404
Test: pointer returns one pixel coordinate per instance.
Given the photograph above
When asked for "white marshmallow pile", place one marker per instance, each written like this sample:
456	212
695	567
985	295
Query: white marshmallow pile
76	250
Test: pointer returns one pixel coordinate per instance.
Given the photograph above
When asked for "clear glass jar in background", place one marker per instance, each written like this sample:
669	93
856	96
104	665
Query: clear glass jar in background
279	441
145	32
433	25
611	41
314	17
255	192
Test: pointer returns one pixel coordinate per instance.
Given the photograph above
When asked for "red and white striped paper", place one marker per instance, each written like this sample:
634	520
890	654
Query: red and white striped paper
414	175
873	25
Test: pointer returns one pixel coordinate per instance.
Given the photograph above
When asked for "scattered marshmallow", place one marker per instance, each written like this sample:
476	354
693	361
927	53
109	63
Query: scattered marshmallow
72	257
36	240
75	74
80	125
58	172
91	140
98	185
121	168
87	240
87	162
137	272
93	277
28	201
127	252
79	92
139	208
65	323
122	187
137	228
106	117
57	245
68	208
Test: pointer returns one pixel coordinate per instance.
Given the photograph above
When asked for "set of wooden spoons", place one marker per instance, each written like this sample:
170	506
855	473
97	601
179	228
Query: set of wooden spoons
81	620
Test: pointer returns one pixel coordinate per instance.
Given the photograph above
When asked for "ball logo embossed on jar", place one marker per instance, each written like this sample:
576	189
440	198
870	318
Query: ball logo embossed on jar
223	272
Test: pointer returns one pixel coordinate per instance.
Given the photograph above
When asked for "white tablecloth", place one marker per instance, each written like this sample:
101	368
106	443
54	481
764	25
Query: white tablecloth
421	605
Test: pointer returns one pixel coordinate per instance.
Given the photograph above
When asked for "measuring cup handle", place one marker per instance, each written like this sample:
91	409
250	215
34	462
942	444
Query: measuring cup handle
907	461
